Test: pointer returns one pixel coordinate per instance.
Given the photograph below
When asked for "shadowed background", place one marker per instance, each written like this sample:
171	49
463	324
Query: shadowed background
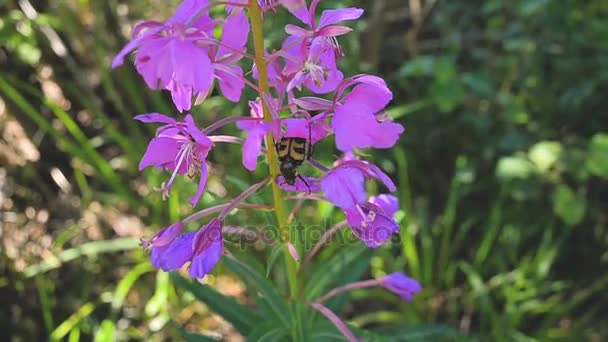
501	172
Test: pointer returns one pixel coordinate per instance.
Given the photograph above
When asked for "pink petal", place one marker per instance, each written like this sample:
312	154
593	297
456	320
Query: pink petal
300	12
388	203
235	33
293	5
196	133
334	31
175	255
153	61
191	65
344	187
372	97
313	103
181	96
188	9
370	170
299	128
355	125
132	45
330	17
204	262
311	184
231	83
296	30
154	117
252	148
161	152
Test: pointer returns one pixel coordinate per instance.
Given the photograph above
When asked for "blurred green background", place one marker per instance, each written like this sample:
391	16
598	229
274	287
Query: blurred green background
502	172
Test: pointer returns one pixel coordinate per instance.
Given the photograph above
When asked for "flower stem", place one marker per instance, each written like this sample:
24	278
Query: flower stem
255	16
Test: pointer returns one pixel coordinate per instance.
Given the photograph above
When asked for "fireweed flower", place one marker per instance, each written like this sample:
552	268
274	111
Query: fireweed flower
183	57
202	249
401	285
325	28
373	222
179	147
311	66
168	56
344	185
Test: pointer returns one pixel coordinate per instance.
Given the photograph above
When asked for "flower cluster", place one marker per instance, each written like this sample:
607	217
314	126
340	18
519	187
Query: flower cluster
310	99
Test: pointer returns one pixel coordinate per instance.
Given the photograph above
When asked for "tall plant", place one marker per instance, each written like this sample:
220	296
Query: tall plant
288	117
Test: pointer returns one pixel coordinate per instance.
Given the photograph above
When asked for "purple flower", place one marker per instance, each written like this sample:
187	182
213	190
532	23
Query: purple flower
207	246
355	121
325	28
164	236
311	65
169	55
183	57
401	284
344	185
202	248
173	256
179	147
371	223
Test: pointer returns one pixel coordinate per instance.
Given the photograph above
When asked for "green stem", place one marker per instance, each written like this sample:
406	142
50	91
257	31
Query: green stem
255	16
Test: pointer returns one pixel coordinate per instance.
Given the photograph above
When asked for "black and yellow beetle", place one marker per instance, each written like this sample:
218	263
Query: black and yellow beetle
293	152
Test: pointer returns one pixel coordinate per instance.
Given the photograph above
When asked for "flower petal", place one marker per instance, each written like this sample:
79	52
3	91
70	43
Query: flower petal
371	98
177	253
204	262
134	44
355	125
370	170
234	34
313	103
374	232
388	203
401	284
330	17
154	117
252	148
308	185
231	83
344	187
196	133
301	128
161	153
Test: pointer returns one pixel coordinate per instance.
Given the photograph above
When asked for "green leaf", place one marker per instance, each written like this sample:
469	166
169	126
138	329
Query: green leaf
268	333
332	272
193	337
568	205
276	252
514	167
269	293
241	317
598	155
432	332
72	321
544	154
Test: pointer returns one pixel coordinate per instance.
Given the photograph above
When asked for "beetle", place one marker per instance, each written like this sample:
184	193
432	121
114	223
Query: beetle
293	152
